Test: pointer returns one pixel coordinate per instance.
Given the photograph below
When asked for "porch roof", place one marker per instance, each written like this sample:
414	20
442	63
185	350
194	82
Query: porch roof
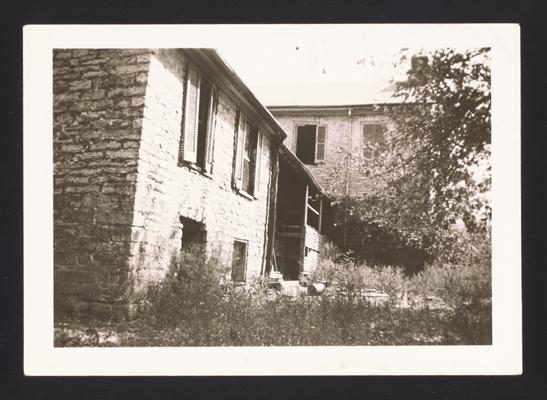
300	168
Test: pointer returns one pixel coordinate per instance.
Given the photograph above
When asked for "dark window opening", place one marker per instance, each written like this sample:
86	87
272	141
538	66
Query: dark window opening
193	232
310	143
239	261
305	143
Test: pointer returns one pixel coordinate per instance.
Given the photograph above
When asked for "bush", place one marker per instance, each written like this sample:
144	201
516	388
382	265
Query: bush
463	292
467	290
191	290
196	306
352	278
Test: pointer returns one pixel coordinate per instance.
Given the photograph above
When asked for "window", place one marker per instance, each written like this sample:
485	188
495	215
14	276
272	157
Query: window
310	143
247	156
239	261
199	119
373	135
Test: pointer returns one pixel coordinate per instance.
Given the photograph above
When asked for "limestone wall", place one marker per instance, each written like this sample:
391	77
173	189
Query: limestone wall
119	187
167	190
97	116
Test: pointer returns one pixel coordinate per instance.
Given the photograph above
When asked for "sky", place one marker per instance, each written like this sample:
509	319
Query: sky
312	69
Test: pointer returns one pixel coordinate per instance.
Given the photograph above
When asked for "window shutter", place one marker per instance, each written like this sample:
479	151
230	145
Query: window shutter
320	143
240	137
191	115
258	162
211	127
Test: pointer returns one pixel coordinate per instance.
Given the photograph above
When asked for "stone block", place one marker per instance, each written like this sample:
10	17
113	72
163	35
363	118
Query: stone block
121	153
126	92
80	85
130	69
94	95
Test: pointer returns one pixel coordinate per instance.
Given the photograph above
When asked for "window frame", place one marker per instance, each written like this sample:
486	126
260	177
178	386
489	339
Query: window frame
317	125
245	260
384	127
205	165
240	156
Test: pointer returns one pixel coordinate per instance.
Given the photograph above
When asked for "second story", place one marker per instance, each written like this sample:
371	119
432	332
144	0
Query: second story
323	137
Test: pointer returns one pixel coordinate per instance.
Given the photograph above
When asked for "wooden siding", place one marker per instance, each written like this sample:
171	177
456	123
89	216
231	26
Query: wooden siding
314	241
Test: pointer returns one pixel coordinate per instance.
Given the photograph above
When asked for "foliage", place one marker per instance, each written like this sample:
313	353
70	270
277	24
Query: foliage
432	171
467	290
191	308
193	281
352	278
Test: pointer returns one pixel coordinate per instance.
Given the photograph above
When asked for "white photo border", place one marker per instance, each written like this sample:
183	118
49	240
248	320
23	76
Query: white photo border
503	357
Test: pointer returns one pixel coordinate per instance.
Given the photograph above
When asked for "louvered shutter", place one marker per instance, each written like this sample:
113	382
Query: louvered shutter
240	138
258	163
191	116
320	142
211	127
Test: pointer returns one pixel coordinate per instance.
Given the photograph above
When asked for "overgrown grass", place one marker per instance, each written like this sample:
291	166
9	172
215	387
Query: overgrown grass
195	306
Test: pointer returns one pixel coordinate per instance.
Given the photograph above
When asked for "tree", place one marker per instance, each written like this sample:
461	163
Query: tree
431	174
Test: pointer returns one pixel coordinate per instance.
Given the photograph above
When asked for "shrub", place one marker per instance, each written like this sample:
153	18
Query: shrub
196	306
190	292
352	278
467	290
464	291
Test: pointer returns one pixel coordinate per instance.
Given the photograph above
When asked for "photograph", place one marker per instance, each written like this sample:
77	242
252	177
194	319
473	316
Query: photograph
282	191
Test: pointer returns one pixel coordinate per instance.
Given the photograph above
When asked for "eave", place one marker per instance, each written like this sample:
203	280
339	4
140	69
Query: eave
227	79
324	110
300	168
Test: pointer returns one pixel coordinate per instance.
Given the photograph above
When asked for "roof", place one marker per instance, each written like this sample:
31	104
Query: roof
225	76
301	169
322	110
326	93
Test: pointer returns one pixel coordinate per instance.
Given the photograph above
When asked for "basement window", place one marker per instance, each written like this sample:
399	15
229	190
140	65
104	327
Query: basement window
239	261
311	143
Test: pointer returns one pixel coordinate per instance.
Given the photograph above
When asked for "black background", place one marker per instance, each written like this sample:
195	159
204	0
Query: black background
532	15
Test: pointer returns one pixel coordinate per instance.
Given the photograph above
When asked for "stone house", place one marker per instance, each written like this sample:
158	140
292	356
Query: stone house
323	138
155	149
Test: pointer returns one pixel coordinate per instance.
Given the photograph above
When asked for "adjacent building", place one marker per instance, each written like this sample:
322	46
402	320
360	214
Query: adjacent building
325	137
330	140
